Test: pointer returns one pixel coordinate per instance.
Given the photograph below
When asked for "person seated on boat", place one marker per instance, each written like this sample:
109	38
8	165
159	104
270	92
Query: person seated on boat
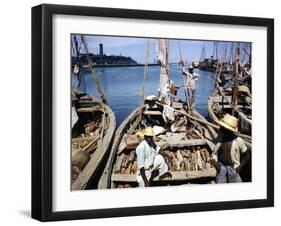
227	151
150	160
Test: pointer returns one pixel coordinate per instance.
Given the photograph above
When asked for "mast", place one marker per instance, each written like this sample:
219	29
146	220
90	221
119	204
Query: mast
145	75
100	90
230	60
215	51
162	52
77	68
250	56
202	57
185	88
235	88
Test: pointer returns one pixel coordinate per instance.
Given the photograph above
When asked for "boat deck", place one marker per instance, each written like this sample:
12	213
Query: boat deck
176	176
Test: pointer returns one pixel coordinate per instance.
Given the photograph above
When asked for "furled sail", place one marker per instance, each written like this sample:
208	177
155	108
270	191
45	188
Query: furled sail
162	53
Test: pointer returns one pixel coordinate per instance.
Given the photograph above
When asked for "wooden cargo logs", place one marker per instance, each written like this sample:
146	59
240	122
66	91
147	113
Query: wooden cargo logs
195	158
126	163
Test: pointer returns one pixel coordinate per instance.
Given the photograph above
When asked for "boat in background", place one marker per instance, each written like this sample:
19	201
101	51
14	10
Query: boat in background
232	95
195	64
209	64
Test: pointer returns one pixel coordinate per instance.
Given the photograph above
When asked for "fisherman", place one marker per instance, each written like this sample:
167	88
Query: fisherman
190	82
150	160
227	150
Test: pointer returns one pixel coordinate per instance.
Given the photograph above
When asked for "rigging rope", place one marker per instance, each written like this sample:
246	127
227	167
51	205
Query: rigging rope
94	75
146	72
185	88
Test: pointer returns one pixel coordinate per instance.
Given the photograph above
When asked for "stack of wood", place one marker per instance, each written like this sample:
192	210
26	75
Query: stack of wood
194	159
126	163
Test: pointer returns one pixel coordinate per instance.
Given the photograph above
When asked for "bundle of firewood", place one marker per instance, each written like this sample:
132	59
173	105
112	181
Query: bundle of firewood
194	159
126	163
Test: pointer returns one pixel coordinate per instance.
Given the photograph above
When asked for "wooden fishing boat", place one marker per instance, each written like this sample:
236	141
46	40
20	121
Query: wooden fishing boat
232	95
220	103
92	136
185	135
189	148
93	127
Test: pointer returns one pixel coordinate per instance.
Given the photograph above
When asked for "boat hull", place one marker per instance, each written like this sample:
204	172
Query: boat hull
114	179
98	148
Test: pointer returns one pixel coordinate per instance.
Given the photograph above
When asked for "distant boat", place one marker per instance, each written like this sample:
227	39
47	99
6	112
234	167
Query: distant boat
188	135
195	64
208	64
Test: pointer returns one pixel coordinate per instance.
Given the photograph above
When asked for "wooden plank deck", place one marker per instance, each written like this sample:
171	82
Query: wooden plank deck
89	109
152	112
184	143
176	176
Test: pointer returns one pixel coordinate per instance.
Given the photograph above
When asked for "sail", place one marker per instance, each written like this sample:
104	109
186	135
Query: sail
162	53
74	116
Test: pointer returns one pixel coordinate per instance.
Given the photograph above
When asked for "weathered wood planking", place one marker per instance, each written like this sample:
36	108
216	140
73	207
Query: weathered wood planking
184	143
176	176
90	138
152	112
105	181
219	99
89	109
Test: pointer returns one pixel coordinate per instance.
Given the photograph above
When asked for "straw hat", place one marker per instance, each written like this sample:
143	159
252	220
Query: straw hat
148	131
244	89
229	122
140	135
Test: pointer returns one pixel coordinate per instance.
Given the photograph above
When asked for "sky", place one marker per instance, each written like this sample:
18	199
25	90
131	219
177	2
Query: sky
136	48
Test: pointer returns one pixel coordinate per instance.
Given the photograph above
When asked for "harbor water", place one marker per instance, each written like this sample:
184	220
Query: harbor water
122	87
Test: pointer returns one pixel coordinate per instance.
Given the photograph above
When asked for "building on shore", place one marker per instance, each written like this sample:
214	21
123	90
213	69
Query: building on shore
102	59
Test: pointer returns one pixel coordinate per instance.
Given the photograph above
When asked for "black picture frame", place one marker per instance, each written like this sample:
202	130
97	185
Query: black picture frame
42	111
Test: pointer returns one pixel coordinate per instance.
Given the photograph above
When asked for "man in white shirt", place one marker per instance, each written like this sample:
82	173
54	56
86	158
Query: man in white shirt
190	83
226	153
150	158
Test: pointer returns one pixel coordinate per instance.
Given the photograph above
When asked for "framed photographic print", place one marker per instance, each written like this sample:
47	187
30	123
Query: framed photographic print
146	112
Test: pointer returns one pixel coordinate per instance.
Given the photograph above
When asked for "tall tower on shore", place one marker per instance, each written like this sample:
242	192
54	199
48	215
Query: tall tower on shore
101	49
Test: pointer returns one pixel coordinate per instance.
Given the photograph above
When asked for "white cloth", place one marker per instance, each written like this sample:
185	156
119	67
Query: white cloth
238	146
190	79
149	158
151	97
74	116
165	89
168	113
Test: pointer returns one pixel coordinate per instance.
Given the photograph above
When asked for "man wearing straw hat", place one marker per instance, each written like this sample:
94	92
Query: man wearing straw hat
150	160
226	153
